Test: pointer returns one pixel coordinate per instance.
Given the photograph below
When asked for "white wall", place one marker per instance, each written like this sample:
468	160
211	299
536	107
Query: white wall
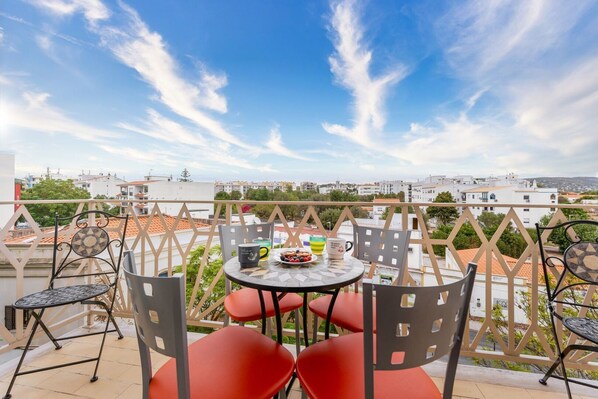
183	191
7	186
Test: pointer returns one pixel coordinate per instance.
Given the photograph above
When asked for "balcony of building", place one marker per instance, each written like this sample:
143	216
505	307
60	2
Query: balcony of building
165	248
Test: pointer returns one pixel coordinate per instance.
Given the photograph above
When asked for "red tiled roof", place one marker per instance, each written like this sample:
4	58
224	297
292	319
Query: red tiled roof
155	227
467	255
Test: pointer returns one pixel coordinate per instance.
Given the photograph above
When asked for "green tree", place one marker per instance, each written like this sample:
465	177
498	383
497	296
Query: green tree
329	217
444	215
222	195
107	207
213	266
49	189
260	194
358	212
398	209
185	176
490	219
584	232
236	195
342	196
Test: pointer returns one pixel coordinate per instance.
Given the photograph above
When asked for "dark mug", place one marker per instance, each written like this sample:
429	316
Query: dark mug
249	254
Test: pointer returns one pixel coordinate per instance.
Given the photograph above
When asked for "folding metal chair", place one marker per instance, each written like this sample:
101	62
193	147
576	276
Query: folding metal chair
576	271
90	248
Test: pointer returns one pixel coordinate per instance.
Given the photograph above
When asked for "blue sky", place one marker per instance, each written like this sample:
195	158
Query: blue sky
300	90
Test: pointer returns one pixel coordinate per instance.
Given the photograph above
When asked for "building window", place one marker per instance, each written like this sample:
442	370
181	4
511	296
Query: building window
491	208
525	209
526	198
525	220
503	303
492	196
552	209
485	197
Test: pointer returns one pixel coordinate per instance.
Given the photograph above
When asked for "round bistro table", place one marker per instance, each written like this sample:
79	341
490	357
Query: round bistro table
323	275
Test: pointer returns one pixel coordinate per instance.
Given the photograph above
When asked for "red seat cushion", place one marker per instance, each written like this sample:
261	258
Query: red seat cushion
244	304
347	312
334	369
234	362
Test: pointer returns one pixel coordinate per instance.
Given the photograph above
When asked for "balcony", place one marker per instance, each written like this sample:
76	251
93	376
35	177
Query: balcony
24	266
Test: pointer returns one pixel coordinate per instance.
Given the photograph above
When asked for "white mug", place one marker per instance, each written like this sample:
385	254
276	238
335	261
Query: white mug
336	247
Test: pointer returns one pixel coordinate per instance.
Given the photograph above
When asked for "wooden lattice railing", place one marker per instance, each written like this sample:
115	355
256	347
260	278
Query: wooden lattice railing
180	234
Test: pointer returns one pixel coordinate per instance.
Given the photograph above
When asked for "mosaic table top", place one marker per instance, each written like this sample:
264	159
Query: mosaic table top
321	274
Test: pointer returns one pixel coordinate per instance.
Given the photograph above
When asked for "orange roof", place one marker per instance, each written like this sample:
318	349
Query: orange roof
467	255
156	226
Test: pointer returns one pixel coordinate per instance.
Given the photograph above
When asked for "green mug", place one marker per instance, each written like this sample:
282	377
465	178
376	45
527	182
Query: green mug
266	247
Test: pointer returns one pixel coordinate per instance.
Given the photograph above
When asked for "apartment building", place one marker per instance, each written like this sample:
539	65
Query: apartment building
395	187
490	199
243	186
368	189
163	188
100	184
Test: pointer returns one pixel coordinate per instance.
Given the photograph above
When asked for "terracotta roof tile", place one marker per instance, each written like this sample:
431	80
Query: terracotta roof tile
467	255
155	227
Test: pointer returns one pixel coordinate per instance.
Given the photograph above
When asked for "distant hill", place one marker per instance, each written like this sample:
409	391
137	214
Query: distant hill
575	184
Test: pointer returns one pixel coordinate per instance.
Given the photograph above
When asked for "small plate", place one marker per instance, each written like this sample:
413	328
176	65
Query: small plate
313	259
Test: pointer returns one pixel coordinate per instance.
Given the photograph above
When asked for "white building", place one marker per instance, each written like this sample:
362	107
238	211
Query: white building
105	185
395	187
368	189
244	186
489	199
151	190
427	190
7	186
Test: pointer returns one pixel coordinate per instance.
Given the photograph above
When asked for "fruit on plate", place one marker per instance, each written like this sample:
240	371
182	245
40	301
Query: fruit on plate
296	256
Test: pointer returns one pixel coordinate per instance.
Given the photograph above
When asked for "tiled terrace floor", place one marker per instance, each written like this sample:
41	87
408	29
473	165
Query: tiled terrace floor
120	376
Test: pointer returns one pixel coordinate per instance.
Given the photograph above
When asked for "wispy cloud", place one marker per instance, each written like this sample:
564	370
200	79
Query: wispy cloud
277	147
35	112
94	10
146	52
350	65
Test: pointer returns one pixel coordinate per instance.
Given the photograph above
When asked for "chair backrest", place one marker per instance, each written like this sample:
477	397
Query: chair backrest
159	311
380	246
233	235
91	236
415	326
580	258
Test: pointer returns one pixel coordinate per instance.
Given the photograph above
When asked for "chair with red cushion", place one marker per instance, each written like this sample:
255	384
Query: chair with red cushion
415	326
375	245
233	362
245	304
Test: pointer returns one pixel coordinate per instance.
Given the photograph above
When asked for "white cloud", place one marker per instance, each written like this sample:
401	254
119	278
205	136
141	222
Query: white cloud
35	113
560	112
350	65
276	146
146	52
94	10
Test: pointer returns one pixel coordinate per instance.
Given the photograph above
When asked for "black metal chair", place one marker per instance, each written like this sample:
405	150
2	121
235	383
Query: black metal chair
415	326
575	271
90	248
